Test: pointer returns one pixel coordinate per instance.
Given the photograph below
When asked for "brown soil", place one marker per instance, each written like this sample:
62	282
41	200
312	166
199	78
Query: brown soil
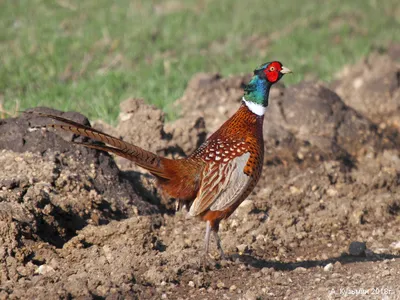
321	224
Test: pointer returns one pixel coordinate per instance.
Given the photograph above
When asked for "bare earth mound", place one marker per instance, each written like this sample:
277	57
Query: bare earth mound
322	223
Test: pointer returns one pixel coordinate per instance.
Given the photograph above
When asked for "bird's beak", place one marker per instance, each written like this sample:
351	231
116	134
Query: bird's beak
285	70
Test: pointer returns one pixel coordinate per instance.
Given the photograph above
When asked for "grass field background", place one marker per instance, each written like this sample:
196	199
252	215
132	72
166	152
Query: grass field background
89	55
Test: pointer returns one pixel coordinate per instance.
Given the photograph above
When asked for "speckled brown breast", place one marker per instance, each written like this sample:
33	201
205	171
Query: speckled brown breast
239	135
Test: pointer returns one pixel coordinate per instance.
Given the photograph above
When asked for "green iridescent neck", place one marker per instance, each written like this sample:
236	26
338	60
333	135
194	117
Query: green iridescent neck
257	91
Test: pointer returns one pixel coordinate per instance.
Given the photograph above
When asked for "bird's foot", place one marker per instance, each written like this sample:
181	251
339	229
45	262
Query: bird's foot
207	262
222	256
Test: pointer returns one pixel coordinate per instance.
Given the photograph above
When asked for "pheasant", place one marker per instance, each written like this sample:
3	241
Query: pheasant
222	172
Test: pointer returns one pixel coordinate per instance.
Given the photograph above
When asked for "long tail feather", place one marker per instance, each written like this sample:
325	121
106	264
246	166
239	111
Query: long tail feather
155	168
141	157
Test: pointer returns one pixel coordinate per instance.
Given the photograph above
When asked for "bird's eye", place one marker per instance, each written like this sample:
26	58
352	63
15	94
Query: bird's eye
272	69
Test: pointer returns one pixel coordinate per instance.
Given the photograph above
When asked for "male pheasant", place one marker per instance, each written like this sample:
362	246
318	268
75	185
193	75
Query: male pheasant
222	172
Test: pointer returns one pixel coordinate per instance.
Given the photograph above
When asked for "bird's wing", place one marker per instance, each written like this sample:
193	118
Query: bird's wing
222	185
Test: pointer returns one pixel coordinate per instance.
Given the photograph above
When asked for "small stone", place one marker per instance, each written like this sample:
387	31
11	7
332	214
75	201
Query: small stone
336	275
260	237
385	273
164	296
232	288
357	248
331	192
300	155
295	191
300	269
328	267
358	82
47	209
324	256
220	284
267	270
191	284
395	245
102	289
276	275
45	270
242	248
250	295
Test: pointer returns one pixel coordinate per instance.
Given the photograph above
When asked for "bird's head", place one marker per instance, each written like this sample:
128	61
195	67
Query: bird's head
271	72
257	90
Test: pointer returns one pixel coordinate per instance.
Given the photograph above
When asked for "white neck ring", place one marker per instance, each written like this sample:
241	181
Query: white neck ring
255	108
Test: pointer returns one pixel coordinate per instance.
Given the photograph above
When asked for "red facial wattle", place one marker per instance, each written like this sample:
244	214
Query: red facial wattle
272	71
272	76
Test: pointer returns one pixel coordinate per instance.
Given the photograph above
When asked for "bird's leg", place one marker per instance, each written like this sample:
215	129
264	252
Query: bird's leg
219	246
214	228
207	237
205	261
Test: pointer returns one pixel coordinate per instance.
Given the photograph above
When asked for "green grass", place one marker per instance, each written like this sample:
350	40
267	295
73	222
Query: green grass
90	55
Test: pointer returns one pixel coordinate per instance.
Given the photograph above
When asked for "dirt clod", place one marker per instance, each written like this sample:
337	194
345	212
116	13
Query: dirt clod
357	248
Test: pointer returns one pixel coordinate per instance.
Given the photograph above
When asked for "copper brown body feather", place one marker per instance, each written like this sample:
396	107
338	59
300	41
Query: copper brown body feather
241	134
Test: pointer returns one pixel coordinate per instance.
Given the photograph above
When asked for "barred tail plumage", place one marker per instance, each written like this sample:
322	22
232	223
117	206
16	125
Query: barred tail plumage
141	157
